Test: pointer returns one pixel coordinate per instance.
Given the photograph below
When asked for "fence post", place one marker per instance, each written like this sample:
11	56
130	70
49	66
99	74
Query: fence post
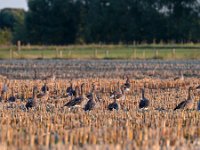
134	43
107	53
95	53
11	54
134	53
61	54
174	53
18	46
156	53
69	53
56	52
42	55
144	54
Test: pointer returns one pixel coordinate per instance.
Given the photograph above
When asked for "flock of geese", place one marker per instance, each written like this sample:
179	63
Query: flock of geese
92	100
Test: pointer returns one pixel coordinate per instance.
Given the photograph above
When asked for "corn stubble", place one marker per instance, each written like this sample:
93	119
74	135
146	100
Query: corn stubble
52	126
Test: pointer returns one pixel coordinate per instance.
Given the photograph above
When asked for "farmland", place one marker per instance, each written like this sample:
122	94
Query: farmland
50	125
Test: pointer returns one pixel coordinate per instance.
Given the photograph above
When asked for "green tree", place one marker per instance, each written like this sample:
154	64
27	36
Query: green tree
9	17
5	37
182	19
53	21
11	20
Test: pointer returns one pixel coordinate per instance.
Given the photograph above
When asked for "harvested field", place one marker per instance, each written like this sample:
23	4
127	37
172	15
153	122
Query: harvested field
50	125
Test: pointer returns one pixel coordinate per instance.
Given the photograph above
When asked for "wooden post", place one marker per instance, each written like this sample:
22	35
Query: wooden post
42	55
107	53
135	53
144	54
61	54
156	53
134	43
56	52
18	46
174	53
11	54
95	53
29	46
69	53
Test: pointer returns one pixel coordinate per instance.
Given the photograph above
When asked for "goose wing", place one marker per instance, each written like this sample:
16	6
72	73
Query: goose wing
74	102
90	105
181	105
113	106
70	91
144	103
30	103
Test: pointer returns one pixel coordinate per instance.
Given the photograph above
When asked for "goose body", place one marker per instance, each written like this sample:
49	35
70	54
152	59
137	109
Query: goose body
144	102
198	107
44	96
186	104
113	106
12	98
90	105
75	101
120	94
127	85
4	92
32	102
90	95
180	78
78	101
44	88
70	91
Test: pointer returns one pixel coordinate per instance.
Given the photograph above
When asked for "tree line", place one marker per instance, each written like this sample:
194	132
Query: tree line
60	22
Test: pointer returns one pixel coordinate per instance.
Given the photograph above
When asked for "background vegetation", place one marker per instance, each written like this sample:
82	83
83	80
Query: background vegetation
61	22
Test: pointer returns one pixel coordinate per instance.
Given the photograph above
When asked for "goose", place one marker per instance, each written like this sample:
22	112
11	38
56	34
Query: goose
120	94
44	88
198	107
186	104
98	95
12	98
45	95
198	88
79	101
112	94
113	105
127	85
4	92
32	102
70	91
91	103
180	78
144	102
90	95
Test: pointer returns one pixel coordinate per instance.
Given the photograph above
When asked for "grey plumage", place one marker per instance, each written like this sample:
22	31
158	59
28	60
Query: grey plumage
186	104
78	101
198	107
144	102
127	85
90	105
32	102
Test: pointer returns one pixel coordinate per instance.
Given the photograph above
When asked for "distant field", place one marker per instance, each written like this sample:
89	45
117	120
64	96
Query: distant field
172	51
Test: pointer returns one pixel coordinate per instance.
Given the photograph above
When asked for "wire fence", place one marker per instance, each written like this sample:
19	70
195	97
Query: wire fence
100	53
